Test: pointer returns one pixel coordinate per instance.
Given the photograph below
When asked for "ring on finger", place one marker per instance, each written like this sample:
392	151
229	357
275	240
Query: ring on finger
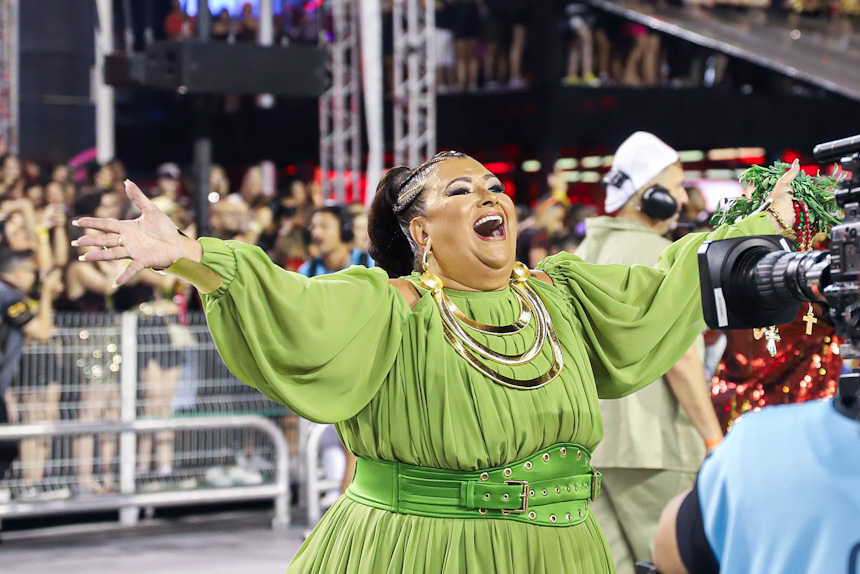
119	241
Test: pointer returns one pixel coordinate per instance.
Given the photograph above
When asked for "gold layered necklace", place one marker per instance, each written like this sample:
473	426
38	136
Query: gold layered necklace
455	322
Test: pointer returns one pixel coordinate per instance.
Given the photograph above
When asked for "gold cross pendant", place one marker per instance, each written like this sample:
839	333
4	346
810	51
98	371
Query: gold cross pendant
810	320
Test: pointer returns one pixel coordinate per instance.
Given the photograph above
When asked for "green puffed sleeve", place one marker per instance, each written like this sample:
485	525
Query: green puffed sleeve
637	321
321	346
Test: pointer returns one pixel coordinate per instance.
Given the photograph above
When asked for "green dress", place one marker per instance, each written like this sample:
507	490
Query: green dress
346	348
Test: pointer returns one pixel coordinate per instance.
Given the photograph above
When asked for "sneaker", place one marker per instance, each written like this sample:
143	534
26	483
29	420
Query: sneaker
217	477
590	80
570	81
245	476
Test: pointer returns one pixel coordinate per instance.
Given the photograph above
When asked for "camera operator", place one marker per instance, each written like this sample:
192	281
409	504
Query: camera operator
656	438
781	494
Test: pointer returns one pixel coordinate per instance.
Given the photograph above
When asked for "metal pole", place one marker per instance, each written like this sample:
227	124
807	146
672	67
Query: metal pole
128	29
14	81
103	93
266	37
128	413
202	135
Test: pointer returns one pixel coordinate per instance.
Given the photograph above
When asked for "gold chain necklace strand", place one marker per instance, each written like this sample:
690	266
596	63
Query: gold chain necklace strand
528	384
517	326
449	320
530	303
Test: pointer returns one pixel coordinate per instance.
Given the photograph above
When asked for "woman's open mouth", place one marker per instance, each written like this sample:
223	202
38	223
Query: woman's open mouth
490	227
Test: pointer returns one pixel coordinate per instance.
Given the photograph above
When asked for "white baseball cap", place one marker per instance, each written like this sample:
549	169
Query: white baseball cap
638	160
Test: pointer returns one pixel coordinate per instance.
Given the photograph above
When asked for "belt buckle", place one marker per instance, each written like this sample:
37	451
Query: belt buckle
524	495
595	484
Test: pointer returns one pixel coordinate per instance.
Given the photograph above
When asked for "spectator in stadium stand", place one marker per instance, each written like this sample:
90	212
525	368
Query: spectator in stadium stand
654	439
580	45
252	191
230	218
331	230
248	25
292	212
445	60
22	231
20	318
533	243
222	26
167	181
641	66
11	178
218	181
177	24
361	239
466	25
382	353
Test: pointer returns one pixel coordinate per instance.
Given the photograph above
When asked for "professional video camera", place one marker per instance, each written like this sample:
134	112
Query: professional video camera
758	281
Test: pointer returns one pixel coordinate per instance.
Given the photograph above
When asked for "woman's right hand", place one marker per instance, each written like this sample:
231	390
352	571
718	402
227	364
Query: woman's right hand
150	241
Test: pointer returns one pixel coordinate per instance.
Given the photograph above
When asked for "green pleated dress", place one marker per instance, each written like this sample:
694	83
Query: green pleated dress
346	348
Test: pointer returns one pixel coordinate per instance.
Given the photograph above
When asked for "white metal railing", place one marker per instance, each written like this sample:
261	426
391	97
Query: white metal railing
128	499
314	482
141	380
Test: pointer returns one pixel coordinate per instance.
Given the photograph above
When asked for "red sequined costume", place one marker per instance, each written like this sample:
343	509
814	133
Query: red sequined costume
805	367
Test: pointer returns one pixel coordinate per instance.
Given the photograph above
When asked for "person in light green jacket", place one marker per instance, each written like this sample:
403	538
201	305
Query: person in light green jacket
468	392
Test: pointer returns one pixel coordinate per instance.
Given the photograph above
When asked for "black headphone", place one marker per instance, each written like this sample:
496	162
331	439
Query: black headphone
657	203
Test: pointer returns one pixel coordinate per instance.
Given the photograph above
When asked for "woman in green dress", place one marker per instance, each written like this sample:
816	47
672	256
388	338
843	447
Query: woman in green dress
468	392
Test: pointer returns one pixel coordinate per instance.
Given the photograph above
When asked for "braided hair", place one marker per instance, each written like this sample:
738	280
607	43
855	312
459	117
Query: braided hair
399	199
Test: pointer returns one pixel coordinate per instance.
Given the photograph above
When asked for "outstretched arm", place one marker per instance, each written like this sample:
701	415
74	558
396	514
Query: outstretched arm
150	241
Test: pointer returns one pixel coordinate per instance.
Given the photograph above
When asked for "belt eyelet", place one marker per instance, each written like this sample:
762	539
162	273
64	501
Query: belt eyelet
485	476
552	518
482	511
545	457
557	489
507	472
487	496
505	496
562	451
528	465
568	517
532	515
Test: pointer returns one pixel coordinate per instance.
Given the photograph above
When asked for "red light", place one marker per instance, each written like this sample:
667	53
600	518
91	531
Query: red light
292	169
499	167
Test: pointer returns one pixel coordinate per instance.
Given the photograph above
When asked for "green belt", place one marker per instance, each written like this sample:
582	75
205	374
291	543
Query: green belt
552	487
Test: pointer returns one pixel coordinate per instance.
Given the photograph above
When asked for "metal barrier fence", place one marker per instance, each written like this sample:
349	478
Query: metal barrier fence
134	368
127	498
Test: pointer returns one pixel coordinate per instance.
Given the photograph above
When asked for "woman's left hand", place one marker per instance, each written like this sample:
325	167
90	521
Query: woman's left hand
782	196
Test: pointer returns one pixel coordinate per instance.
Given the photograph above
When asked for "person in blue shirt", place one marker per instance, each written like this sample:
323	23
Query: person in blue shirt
781	495
332	235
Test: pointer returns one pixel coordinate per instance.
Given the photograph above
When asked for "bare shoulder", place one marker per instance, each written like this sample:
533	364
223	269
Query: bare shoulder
541	276
409	292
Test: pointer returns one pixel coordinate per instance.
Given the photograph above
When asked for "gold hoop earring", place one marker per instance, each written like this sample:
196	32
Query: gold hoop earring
428	280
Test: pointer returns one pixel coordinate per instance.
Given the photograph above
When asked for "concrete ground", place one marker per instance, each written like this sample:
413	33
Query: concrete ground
214	544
